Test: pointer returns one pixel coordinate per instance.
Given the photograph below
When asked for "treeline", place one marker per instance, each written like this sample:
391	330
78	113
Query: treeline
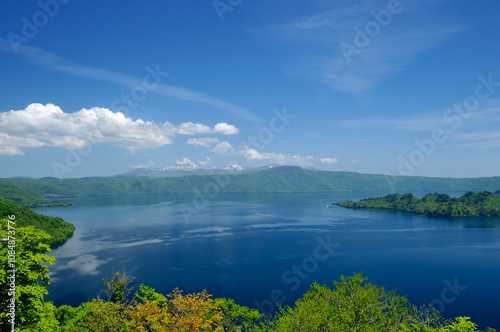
351	304
434	205
58	229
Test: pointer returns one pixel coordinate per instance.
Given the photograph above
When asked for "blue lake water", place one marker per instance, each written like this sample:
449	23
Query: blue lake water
259	249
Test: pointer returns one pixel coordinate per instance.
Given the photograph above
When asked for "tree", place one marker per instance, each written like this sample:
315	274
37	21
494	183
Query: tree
117	288
236	318
31	279
193	312
146	293
352	305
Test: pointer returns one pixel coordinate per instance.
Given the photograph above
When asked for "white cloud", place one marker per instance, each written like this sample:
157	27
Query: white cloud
355	161
329	160
249	153
225	129
204	162
189	128
48	125
253	154
223	148
206	142
185	161
149	164
213	143
278	158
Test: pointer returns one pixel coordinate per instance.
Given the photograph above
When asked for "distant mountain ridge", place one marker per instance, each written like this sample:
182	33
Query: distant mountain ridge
184	169
282	179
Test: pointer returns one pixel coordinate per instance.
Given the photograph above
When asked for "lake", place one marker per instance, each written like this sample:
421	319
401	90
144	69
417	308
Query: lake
259	248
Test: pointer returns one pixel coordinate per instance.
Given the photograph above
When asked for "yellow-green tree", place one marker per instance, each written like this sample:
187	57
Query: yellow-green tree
31	280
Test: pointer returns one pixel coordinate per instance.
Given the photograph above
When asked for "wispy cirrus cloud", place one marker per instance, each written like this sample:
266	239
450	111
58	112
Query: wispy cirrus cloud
52	61
484	140
487	114
48	125
406	35
478	129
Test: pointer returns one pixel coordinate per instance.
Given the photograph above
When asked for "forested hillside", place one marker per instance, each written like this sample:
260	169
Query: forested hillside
57	228
435	205
284	179
30	196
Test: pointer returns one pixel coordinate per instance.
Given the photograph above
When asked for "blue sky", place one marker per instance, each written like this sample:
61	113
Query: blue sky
98	88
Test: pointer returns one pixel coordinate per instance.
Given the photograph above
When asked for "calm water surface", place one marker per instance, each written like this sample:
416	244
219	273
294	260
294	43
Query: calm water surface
249	246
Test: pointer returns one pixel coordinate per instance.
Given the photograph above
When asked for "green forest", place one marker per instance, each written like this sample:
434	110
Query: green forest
58	229
348	304
283	179
26	197
434	205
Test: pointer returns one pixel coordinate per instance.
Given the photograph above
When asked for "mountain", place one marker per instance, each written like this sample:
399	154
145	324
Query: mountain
185	169
282	179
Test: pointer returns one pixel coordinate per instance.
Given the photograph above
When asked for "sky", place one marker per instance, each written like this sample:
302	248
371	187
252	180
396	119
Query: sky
99	88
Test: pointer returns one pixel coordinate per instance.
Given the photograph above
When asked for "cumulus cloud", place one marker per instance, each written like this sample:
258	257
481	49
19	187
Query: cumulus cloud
278	158
48	125
224	147
329	160
185	161
213	143
204	162
205	142
225	129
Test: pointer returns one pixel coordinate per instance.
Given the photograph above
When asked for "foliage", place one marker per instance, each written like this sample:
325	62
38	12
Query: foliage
25	197
104	316
149	316
30	276
350	306
146	293
57	229
236	318
435	205
193	312
117	289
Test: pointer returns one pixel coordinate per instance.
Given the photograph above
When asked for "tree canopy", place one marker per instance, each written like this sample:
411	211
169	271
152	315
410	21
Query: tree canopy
434	205
57	229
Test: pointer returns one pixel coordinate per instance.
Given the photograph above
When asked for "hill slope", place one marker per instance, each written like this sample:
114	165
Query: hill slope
284	179
26	196
434	205
59	229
